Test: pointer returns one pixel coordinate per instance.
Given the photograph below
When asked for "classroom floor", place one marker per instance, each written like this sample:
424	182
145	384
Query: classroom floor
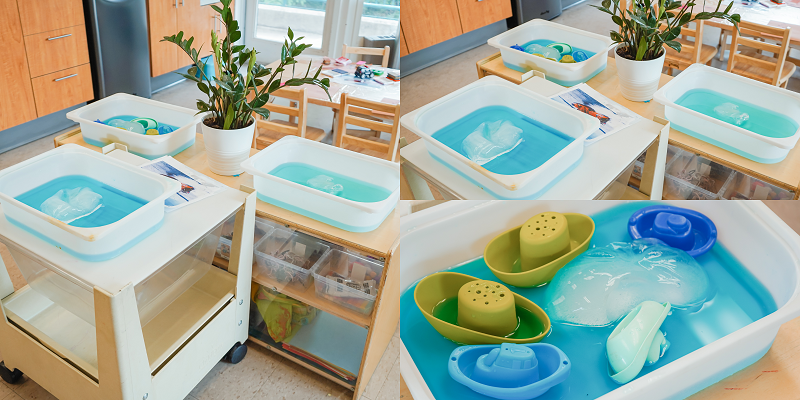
262	375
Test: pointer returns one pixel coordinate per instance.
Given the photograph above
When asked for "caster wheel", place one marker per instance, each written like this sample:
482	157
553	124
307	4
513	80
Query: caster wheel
236	353
11	377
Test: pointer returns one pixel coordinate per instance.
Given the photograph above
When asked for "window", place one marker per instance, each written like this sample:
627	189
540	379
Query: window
380	18
306	17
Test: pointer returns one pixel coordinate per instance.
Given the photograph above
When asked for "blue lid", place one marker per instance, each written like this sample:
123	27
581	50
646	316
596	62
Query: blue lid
509	371
680	228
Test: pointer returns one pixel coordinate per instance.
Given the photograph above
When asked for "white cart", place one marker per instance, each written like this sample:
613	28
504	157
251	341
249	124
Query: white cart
159	319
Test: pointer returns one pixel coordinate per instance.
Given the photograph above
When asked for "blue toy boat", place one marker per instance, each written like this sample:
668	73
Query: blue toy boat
509	371
680	228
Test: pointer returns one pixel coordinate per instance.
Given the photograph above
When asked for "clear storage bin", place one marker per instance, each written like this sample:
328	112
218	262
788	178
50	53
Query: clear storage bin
691	177
744	187
153	294
339	280
289	258
263	227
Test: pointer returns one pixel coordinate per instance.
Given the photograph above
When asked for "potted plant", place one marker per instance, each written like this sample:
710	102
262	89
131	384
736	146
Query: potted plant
645	28
242	88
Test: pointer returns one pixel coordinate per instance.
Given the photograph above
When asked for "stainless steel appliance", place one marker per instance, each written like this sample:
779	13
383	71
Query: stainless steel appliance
118	44
526	10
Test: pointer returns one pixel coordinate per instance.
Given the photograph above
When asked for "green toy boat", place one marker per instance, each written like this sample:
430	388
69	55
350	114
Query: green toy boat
468	310
531	254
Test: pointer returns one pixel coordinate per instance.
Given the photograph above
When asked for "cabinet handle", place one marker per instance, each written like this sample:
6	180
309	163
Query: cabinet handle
59	37
181	3
176	3
66	77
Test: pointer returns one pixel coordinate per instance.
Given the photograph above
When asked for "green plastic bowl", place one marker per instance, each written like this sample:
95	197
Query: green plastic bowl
502	254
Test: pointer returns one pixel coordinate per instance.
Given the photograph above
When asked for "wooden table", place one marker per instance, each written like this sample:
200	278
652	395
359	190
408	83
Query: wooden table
379	243
785	174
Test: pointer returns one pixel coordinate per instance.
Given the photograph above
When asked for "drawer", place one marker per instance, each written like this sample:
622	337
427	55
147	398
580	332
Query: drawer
62	89
39	16
56	50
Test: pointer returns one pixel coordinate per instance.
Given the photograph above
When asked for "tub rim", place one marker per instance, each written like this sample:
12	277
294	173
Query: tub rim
169	187
508	182
371	207
495	42
784	143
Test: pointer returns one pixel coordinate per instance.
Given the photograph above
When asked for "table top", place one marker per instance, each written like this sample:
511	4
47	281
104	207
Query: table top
763	12
373	91
785	174
377	242
599	166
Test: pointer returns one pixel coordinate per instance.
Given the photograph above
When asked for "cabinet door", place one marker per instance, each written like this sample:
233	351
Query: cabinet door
195	21
428	22
16	97
63	89
56	50
479	13
46	15
162	21
403	45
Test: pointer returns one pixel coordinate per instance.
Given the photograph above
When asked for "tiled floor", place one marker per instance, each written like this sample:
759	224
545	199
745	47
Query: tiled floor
262	375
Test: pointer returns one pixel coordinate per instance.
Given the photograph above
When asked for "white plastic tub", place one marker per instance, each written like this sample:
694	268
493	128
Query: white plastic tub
495	91
730	137
561	73
89	244
748	230
333	210
147	146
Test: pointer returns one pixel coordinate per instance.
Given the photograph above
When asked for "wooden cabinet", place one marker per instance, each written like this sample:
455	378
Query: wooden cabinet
56	50
59	90
168	17
476	14
16	97
427	23
46	15
403	45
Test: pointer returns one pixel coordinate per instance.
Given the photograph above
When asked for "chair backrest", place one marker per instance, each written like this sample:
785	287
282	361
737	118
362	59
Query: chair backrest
758	31
353	105
694	49
300	97
369	51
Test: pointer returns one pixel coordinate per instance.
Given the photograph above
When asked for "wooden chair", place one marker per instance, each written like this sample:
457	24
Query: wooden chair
751	63
369	51
270	131
364	141
690	54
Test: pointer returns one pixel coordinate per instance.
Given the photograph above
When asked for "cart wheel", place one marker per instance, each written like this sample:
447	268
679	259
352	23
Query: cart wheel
12	377
236	353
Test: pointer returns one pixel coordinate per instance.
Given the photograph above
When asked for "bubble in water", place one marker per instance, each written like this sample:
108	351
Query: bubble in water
491	140
325	184
729	112
604	284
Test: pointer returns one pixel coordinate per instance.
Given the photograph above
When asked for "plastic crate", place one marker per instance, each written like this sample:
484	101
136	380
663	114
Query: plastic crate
691	177
745	187
289	258
263	227
335	281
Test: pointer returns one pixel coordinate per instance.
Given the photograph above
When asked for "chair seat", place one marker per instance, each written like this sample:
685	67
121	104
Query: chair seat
685	58
762	74
266	137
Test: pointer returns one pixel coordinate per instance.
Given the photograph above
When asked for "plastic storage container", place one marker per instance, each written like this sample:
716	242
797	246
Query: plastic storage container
494	91
752	234
336	282
89	244
263	227
744	187
333	210
147	146
288	258
565	74
691	177
153	294
730	137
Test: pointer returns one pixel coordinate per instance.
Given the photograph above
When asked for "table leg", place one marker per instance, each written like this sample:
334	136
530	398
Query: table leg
723	41
655	164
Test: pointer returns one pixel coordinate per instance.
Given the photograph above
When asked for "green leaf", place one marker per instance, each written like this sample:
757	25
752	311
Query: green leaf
290	34
228	118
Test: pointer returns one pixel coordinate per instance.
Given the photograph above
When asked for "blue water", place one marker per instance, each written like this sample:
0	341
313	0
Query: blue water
545	42
354	189
762	121
132	117
116	204
739	300
540	143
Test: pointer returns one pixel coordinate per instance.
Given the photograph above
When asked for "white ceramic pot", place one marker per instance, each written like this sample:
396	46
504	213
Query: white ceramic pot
638	80
227	149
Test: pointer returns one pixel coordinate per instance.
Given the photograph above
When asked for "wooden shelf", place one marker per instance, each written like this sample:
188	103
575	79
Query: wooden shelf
309	296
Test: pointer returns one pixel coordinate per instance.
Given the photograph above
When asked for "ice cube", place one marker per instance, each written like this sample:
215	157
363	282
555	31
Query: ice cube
325	183
730	112
491	140
68	205
604	284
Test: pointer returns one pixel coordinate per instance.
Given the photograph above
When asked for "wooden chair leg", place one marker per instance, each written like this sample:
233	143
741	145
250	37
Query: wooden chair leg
292	119
723	41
